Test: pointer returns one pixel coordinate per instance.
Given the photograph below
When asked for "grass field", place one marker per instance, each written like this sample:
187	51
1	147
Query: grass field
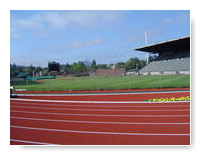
107	82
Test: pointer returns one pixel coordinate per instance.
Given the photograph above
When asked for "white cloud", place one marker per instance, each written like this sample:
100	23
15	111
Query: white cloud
54	19
86	43
14	34
28	24
91	18
50	20
69	46
59	19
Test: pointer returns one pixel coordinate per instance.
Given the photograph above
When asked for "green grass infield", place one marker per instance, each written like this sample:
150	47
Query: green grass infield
106	83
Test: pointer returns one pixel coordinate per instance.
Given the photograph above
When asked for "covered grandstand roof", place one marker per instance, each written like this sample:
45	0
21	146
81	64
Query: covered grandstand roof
180	44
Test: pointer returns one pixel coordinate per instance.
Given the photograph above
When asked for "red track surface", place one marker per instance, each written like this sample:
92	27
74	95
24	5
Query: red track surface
120	122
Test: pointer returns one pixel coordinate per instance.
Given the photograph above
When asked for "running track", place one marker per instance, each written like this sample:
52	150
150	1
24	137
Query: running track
100	119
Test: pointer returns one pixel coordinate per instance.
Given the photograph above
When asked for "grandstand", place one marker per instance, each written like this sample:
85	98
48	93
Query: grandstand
172	57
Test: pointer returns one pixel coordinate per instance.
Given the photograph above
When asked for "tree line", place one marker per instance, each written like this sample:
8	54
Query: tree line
75	68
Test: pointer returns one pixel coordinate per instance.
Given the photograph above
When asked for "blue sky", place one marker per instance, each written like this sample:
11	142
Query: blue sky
37	37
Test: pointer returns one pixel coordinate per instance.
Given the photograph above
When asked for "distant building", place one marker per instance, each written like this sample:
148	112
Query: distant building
110	72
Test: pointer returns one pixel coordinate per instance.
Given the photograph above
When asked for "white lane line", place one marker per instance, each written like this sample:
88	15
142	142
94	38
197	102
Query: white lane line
30	142
29	107
66	105
97	94
65	114
98	132
135	102
95	122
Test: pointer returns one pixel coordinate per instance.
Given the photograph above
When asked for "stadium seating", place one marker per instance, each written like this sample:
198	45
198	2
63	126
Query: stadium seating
172	66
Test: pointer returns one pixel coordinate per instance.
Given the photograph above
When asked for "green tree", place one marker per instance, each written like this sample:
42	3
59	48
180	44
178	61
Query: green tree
142	63
132	63
38	69
68	69
79	67
13	70
120	65
30	69
93	66
102	66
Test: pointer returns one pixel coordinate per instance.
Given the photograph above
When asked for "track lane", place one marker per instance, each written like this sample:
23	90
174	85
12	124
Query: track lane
114	104
25	142
78	138
103	112
116	118
99	107
103	127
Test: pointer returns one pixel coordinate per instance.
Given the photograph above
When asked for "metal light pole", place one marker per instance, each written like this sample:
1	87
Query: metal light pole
146	41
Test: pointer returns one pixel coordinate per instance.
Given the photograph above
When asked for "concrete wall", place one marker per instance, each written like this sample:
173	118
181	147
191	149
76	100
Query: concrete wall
184	72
